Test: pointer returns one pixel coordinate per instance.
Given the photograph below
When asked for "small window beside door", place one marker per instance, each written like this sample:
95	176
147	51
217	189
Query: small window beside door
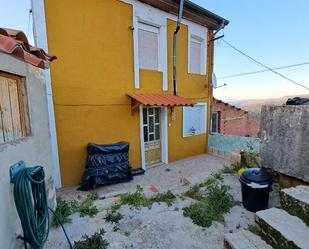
148	47
14	122
197	55
194	120
215	122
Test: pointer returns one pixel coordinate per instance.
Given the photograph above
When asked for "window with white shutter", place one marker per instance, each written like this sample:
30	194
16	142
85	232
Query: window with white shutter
197	55
194	119
14	123
148	46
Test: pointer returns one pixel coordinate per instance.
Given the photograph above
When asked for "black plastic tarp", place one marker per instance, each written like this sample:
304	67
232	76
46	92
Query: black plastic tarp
106	164
298	101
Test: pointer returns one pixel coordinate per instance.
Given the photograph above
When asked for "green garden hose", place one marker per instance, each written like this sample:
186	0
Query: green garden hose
32	208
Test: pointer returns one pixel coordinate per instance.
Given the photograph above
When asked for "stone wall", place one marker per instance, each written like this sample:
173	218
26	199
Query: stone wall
34	149
285	140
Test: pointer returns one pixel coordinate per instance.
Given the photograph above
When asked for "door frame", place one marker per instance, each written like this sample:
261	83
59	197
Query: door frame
164	136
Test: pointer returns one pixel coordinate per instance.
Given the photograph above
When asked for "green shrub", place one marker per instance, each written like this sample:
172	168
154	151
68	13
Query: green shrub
138	198
194	192
62	212
135	199
211	207
95	241
113	216
168	197
86	208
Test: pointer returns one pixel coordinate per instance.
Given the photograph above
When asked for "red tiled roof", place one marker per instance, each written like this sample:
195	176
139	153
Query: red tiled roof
160	99
15	42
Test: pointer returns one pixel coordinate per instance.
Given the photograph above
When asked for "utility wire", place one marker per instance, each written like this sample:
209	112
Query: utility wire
262	71
263	65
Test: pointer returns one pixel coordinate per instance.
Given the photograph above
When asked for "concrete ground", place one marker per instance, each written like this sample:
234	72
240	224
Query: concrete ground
175	176
158	227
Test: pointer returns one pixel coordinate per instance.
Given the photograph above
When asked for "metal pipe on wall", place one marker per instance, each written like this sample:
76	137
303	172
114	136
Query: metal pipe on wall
175	47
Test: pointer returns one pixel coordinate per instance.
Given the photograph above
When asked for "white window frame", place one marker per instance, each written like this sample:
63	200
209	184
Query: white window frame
156	30
198	33
203	124
217	120
148	15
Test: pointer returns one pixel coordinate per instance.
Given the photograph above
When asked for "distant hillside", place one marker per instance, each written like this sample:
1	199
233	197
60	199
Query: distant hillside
254	105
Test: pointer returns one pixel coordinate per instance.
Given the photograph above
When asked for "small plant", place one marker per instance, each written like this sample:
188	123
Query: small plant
194	192
135	199
95	241
168	197
116	229
212	207
93	195
138	198
232	169
62	213
113	216
86	208
212	179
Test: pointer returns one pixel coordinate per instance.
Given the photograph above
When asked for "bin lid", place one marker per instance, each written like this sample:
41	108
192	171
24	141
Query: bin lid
256	175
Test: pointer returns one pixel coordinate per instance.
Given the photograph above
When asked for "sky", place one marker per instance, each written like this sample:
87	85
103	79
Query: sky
275	32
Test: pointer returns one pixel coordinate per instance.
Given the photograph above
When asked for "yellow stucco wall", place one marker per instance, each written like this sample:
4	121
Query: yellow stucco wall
92	75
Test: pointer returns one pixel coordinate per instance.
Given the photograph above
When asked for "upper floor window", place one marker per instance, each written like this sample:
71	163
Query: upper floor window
14	123
197	55
148	46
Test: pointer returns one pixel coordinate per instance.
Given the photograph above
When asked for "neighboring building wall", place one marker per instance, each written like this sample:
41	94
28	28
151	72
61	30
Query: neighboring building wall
226	146
34	149
284	140
94	71
235	121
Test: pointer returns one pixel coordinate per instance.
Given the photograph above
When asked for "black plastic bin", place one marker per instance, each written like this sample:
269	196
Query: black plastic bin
255	187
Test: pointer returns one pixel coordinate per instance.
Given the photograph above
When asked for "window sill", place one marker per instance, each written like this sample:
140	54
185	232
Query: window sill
196	74
193	135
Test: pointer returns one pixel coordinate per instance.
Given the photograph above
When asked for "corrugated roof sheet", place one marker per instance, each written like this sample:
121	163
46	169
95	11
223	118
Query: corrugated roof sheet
160	99
15	42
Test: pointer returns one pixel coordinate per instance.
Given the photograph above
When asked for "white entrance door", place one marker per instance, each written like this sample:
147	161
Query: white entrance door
152	136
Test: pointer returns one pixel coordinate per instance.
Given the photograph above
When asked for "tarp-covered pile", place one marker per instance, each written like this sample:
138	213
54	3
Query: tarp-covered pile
106	164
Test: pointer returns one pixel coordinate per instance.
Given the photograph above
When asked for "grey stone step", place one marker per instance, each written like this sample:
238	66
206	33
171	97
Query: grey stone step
282	230
244	240
296	201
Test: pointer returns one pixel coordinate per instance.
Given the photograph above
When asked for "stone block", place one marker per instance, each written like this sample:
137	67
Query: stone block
296	202
285	140
244	240
282	230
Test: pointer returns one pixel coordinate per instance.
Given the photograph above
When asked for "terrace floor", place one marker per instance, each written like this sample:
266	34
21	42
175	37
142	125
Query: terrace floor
159	226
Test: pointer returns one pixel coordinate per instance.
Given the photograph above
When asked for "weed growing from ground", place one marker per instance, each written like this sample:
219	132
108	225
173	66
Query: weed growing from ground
113	216
65	209
62	212
86	208
232	169
168	197
138	198
95	241
194	192
211	207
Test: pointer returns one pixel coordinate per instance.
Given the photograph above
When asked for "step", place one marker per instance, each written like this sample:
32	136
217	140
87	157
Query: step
282	230
296	201
244	240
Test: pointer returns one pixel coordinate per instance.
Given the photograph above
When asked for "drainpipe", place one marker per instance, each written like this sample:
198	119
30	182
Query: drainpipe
175	47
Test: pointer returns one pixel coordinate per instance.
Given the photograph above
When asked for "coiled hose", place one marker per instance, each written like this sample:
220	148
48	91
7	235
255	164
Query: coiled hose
32	208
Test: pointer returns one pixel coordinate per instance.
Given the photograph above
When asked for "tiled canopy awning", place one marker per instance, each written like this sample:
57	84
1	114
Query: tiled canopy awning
159	99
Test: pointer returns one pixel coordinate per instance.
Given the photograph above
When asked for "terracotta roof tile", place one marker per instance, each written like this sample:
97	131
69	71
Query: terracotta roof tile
160	99
15	42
